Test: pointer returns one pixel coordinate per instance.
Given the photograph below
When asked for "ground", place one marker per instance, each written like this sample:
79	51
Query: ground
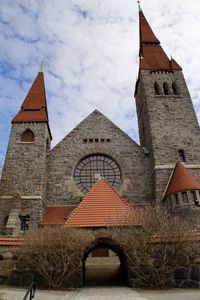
106	293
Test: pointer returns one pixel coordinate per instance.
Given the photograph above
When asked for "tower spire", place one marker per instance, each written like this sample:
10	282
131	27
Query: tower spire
34	107
152	56
139	7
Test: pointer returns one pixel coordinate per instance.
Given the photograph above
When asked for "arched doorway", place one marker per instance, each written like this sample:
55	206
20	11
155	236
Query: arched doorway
104	263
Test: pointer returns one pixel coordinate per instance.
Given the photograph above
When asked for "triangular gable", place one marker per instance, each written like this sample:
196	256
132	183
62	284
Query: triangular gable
102	207
181	180
91	121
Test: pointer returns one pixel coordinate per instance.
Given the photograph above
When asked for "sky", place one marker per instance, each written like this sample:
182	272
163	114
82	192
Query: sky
90	49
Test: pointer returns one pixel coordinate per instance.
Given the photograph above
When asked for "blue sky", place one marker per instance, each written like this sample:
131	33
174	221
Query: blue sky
91	56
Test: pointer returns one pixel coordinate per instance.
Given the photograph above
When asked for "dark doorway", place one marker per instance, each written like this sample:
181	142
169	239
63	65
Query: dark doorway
104	264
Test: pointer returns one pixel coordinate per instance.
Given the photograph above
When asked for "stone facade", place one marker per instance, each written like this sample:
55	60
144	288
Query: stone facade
112	142
23	182
167	124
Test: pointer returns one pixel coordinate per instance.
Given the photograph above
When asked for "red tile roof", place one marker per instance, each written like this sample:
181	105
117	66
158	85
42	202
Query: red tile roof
181	180
146	33
152	56
34	107
56	214
102	207
10	241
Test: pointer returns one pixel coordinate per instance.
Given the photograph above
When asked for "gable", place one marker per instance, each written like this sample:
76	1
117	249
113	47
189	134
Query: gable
96	135
95	128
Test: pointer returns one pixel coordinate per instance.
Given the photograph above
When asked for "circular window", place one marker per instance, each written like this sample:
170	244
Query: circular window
92	167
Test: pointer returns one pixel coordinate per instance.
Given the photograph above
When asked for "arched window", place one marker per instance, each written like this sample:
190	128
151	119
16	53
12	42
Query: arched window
175	88
27	136
156	88
165	89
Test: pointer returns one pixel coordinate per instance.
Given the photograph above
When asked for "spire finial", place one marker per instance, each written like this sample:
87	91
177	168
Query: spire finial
139	7
41	69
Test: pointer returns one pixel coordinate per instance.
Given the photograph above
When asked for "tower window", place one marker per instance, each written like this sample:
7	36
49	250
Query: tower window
156	89
165	88
177	199
194	195
27	136
175	88
185	197
181	155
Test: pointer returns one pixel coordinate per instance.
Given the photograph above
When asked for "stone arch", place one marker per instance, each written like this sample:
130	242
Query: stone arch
27	136
106	243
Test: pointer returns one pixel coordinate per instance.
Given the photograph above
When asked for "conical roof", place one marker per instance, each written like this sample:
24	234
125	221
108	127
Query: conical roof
181	180
34	107
152	56
102	207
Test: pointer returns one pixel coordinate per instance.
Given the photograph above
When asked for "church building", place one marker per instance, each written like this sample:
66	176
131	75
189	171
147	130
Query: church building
97	174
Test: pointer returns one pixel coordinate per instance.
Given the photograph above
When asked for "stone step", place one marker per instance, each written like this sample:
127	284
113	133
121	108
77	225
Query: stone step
103	274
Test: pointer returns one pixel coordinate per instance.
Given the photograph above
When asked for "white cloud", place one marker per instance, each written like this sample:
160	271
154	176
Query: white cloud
90	49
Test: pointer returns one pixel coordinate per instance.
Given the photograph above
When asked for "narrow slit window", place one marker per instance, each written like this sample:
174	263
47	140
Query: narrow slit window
175	88
177	199
165	88
156	89
182	155
194	195
185	197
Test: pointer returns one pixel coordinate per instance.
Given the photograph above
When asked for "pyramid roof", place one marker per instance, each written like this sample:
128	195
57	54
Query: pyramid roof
181	180
34	106
102	207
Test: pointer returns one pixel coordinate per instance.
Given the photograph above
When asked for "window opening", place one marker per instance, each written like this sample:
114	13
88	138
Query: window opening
174	88
185	197
181	155
27	136
165	88
177	199
87	170
24	222
156	88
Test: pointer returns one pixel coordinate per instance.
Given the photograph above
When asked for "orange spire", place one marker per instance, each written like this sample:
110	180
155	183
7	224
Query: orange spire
152	56
181	180
102	207
34	107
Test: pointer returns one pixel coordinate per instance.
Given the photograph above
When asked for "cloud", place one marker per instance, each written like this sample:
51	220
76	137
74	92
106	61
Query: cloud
91	56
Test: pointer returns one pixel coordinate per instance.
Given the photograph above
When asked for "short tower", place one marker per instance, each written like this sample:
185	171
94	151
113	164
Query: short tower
23	182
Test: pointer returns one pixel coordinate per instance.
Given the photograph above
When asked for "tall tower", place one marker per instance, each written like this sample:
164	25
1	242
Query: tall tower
23	182
168	125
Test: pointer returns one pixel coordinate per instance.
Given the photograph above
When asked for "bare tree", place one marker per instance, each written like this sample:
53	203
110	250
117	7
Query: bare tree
55	251
153	248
